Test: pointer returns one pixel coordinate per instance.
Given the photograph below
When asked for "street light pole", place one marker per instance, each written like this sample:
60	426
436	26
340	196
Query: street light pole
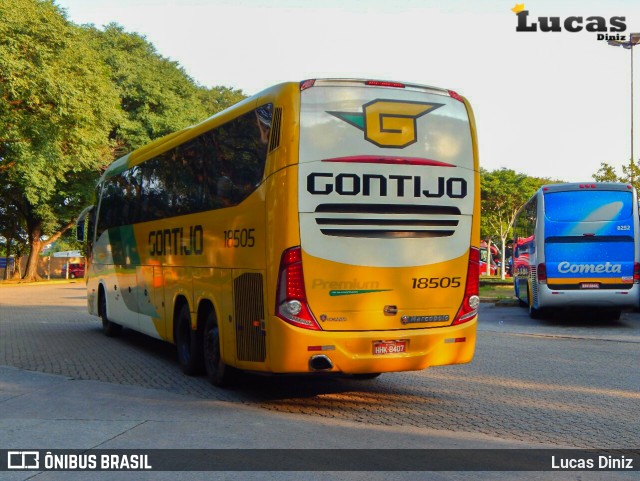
631	53
634	39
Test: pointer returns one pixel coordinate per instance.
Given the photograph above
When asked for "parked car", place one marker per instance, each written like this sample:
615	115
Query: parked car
75	270
493	269
495	259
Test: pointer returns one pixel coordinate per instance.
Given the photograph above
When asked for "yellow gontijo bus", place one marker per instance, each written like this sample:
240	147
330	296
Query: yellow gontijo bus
321	226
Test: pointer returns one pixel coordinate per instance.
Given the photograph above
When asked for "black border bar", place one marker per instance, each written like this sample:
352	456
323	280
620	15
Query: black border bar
322	460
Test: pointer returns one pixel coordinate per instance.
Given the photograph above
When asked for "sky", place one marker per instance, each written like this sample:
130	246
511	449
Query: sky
547	104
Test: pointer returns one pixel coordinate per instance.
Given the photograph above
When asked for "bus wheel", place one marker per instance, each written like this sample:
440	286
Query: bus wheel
611	314
366	376
110	329
218	372
533	312
187	344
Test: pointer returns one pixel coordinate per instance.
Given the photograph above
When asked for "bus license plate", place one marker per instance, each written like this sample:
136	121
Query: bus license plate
589	285
389	347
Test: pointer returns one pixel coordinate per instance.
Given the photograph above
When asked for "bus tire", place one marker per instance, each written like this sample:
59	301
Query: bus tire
365	376
521	303
218	373
187	345
611	314
533	312
110	329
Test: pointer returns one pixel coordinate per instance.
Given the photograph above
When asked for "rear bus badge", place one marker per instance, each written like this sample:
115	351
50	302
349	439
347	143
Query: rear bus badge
420	319
325	318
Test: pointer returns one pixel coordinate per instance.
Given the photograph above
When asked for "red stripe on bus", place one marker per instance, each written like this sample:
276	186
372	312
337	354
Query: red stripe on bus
385	159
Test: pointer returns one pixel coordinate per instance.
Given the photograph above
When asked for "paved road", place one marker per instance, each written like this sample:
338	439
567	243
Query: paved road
570	382
563	382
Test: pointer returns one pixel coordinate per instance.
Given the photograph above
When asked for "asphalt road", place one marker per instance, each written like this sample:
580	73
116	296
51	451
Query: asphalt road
570	381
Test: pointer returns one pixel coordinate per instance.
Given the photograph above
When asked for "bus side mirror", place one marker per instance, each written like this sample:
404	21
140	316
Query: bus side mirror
80	230
80	223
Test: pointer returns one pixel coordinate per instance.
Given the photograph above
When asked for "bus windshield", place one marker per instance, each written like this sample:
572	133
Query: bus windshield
588	206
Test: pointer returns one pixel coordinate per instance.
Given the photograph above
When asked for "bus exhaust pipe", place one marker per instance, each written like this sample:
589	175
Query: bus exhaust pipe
320	363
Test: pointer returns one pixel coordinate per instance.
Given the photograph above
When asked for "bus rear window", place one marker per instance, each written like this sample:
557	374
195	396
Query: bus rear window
588	206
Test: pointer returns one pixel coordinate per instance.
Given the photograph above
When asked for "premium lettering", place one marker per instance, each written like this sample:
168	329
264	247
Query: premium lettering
182	241
325	183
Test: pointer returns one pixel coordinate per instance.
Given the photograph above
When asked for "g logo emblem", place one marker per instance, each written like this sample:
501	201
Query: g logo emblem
388	123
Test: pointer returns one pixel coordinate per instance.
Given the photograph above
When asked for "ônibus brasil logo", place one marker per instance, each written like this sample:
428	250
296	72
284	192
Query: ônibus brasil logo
607	29
388	123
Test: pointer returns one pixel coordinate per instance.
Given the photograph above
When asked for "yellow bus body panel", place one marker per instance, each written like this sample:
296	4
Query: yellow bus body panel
351	352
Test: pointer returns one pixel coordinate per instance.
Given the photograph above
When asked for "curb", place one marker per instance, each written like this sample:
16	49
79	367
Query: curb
499	301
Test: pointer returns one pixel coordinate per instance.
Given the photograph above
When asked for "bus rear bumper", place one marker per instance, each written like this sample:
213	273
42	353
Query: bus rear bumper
295	350
606	298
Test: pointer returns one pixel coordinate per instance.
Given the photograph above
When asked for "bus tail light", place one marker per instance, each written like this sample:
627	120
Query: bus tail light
307	84
636	273
542	272
291	298
471	301
455	95
382	83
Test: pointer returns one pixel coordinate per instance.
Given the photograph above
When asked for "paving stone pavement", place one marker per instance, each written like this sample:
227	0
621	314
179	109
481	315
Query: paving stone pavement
527	386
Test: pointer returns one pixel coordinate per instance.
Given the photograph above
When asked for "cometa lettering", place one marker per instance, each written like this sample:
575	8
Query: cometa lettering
567	267
183	241
325	183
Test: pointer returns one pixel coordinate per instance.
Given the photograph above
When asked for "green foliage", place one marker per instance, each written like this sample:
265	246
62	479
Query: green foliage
630	174
217	99
503	192
71	100
57	102
57	106
156	96
13	237
66	242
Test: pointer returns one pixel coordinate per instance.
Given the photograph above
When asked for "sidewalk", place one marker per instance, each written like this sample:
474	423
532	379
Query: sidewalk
43	411
46	411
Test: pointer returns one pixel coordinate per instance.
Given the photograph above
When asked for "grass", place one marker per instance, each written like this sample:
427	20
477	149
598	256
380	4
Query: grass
496	291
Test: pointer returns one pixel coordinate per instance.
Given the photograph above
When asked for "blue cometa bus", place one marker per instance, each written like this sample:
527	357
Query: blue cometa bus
576	245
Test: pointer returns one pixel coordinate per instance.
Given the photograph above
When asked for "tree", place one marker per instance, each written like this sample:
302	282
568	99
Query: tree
71	100
503	192
156	96
57	107
12	234
606	173
630	174
217	99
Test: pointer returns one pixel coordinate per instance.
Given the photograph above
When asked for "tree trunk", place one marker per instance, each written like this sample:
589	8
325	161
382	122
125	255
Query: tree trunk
7	259
503	268
58	234
489	257
34	227
16	270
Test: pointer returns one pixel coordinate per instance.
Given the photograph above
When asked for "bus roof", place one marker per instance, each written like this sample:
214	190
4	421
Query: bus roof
586	186
173	139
